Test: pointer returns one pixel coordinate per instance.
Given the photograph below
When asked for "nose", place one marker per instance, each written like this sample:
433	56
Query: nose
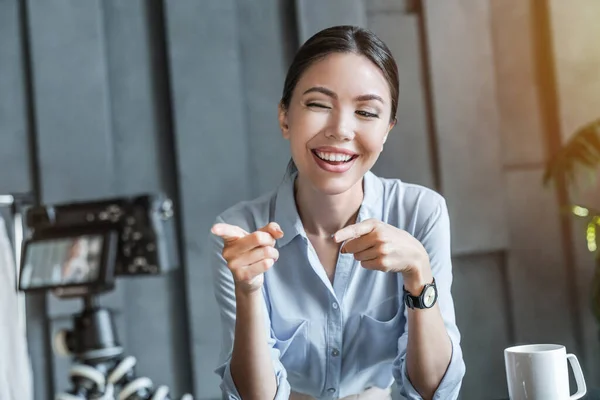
340	127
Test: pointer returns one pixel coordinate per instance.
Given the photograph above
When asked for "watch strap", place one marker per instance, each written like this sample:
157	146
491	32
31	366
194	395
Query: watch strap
413	302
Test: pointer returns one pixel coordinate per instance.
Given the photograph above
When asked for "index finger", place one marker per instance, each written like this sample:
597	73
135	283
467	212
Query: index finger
228	232
355	230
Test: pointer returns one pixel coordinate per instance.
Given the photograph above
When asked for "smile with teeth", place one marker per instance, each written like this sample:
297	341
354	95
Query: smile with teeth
334	157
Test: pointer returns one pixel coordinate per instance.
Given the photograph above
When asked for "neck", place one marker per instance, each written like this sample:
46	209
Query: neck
321	214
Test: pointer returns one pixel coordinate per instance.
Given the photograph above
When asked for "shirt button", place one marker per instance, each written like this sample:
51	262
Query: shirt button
335	306
335	352
331	390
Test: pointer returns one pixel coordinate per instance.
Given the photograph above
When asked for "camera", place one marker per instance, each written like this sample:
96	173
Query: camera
79	248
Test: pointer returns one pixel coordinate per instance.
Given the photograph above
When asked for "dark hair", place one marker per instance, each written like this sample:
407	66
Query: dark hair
341	39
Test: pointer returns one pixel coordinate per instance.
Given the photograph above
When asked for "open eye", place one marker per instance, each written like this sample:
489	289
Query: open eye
366	114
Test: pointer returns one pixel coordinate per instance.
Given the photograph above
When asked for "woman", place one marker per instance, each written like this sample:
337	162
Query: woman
327	284
77	268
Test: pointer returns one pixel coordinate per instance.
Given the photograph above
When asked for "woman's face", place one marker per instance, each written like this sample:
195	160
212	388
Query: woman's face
337	121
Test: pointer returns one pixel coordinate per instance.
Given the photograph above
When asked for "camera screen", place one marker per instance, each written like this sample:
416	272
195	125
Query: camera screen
64	261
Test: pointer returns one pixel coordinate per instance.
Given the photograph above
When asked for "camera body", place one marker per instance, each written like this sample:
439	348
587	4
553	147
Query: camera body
81	247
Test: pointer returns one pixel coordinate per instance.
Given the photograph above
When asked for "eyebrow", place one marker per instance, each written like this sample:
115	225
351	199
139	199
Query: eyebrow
321	89
330	93
367	97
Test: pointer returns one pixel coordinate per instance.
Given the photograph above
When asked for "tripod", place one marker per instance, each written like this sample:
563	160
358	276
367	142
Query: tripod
101	369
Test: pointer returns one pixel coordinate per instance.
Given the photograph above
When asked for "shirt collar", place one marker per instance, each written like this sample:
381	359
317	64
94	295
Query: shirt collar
372	204
286	213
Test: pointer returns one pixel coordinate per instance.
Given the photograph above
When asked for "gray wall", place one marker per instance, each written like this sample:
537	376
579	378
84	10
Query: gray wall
103	98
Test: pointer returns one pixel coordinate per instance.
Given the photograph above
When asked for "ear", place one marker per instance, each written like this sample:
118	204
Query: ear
382	144
283	121
392	124
388	132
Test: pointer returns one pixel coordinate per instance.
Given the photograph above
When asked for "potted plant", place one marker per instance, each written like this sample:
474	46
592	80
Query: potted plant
580	156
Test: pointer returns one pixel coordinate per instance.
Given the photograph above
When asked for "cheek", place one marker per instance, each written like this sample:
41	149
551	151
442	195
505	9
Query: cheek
313	119
371	141
304	125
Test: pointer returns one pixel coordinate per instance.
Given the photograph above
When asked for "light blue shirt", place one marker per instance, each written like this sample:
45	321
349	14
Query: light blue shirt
331	341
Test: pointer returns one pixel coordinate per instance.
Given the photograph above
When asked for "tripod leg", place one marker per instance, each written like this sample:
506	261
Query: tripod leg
88	382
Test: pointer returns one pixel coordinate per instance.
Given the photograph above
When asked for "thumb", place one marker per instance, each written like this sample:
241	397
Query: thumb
274	229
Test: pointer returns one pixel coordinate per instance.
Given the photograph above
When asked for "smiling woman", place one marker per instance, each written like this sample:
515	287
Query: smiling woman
337	283
372	96
343	97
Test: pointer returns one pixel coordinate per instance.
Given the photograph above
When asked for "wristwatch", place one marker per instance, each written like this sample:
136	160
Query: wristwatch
426	299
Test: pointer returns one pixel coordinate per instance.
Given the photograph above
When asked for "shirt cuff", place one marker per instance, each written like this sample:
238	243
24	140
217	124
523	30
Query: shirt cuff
229	390
450	384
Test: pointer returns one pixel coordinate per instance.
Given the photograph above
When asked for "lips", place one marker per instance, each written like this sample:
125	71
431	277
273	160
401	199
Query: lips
335	160
334	150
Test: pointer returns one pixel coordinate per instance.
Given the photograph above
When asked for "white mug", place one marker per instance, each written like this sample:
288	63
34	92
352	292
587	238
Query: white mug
539	372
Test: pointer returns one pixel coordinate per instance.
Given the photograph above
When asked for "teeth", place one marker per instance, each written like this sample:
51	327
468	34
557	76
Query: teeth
333	156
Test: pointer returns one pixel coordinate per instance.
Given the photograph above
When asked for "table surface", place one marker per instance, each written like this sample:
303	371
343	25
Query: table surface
592	394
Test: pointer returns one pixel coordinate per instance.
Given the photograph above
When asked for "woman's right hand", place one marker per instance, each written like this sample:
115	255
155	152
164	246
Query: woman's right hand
249	255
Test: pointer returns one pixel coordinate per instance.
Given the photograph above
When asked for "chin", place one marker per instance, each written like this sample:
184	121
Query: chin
334	185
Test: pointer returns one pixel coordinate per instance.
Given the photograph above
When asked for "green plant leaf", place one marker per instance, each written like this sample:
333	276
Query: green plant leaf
582	150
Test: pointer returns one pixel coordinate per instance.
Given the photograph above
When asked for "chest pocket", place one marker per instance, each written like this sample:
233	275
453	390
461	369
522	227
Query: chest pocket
291	339
378	337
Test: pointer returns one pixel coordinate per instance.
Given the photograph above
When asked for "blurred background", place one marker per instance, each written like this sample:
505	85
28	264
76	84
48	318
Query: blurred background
107	98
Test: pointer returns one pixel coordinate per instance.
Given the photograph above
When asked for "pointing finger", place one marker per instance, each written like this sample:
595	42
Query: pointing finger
228	232
354	231
251	241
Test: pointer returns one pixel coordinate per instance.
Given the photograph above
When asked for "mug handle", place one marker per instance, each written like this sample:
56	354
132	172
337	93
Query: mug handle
581	388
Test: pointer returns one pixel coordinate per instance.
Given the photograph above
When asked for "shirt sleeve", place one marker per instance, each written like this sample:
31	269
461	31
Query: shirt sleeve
435	237
225	296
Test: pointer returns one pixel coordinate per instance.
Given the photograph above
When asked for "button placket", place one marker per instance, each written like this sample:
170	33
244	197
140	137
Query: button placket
334	341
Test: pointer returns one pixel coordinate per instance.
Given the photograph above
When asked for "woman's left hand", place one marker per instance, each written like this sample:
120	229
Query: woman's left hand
380	246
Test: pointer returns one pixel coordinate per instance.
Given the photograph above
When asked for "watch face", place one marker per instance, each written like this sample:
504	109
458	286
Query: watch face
429	296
